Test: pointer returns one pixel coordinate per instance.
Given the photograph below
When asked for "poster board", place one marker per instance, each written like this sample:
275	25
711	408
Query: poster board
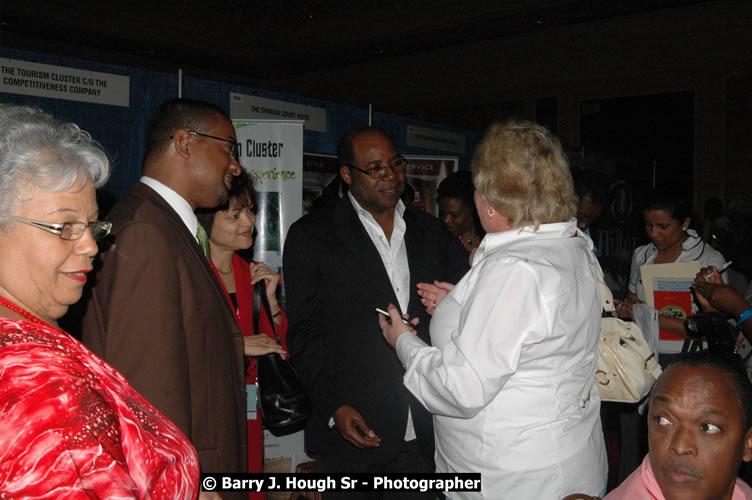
271	151
667	289
320	178
424	174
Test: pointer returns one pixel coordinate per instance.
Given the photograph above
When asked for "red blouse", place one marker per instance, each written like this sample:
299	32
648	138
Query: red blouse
72	427
244	316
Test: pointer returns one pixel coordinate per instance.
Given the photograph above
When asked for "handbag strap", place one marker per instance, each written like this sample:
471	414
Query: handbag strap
259	294
256	311
607	298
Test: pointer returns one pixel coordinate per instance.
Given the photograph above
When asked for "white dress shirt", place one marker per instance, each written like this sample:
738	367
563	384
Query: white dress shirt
392	251
177	202
394	256
510	376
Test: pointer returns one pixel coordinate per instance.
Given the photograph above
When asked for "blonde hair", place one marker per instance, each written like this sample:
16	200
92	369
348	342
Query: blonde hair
520	169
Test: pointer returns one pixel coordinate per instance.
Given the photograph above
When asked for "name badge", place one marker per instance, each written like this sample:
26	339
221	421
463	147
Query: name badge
250	401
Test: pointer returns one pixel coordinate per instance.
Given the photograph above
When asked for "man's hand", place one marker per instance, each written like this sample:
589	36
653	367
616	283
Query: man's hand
707	275
354	429
718	297
624	309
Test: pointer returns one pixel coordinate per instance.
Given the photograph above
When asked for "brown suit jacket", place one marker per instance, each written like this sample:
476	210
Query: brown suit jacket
158	315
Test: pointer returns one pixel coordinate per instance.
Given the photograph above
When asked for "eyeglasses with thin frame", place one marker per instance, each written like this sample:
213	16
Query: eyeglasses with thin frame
233	145
398	165
68	230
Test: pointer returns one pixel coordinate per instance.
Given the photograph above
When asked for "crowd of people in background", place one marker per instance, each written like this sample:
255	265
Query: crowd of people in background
483	361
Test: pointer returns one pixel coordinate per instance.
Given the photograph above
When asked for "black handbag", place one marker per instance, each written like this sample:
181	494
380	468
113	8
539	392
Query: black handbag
283	401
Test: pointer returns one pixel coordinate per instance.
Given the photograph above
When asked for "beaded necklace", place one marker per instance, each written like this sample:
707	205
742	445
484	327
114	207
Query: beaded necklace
23	312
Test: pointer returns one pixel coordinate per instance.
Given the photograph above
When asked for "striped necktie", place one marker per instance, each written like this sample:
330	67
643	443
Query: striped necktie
203	240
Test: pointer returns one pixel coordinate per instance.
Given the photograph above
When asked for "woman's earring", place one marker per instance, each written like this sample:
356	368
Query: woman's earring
491	212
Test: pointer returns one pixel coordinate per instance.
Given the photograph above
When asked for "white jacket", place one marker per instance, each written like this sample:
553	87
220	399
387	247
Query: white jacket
510	375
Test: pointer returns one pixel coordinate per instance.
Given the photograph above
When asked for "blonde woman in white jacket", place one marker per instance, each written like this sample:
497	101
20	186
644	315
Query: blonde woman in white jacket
509	377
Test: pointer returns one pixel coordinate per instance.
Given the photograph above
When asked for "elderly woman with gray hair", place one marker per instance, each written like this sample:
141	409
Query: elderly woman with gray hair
509	377
70	425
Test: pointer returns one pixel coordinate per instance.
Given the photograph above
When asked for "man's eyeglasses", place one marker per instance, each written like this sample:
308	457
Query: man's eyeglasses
233	145
398	165
68	230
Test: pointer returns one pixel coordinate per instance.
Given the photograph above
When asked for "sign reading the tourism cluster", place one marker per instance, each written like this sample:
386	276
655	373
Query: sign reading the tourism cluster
271	151
60	82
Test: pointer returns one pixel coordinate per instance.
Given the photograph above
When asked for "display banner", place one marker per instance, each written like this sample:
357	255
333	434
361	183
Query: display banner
440	140
424	173
320	178
272	153
251	107
60	82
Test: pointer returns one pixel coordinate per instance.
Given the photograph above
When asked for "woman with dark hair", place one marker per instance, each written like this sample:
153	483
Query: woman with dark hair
591	198
457	210
230	230
667	222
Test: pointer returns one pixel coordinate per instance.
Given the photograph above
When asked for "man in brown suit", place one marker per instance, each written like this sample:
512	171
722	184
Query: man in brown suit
157	312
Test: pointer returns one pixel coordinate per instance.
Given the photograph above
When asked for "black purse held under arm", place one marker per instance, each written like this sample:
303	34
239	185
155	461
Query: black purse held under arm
282	398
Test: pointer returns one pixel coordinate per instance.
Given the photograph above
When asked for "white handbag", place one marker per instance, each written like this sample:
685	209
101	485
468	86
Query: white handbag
627	368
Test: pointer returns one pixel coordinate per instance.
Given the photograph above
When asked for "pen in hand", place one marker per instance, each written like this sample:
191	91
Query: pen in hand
381	311
721	270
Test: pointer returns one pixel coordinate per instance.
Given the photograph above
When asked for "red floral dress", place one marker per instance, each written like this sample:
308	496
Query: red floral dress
72	427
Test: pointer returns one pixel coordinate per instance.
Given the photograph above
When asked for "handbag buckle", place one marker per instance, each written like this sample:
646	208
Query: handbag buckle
652	355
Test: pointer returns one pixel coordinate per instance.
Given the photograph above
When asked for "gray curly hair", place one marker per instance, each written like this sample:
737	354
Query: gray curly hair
52	155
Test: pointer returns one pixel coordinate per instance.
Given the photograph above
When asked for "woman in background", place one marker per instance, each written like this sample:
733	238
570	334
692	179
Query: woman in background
457	212
70	424
510	373
667	221
230	230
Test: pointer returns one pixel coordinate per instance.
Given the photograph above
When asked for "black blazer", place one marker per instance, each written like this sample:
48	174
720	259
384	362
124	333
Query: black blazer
334	278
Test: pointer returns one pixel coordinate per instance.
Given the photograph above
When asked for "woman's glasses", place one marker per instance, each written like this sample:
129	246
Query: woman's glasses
68	230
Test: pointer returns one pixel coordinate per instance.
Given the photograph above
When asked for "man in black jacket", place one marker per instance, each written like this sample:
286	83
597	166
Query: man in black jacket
368	251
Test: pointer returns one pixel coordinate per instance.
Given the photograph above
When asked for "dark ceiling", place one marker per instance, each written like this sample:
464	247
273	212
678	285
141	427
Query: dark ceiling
279	45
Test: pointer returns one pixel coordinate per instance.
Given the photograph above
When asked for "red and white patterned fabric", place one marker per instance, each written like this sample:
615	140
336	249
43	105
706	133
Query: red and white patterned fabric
72	427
